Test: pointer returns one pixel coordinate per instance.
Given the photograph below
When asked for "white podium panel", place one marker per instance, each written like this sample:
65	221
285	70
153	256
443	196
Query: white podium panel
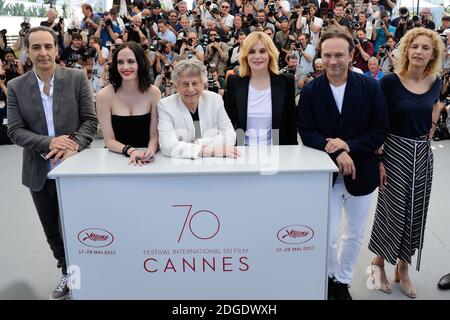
189	235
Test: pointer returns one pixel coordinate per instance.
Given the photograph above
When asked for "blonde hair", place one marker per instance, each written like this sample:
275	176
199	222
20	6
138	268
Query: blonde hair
435	64
249	43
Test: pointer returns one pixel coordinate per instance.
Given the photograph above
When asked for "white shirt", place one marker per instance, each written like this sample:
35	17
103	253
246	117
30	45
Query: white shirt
97	68
305	66
228	21
47	103
259	117
338	94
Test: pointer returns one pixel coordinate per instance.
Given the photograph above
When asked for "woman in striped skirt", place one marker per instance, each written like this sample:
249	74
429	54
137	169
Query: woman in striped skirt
406	164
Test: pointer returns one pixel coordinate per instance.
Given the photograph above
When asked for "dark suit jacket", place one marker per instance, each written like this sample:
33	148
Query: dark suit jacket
73	111
363	124
283	106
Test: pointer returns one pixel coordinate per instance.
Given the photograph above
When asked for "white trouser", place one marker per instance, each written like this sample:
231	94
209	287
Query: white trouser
340	263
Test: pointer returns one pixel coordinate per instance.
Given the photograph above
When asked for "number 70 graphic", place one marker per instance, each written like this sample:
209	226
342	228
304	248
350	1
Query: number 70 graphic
197	215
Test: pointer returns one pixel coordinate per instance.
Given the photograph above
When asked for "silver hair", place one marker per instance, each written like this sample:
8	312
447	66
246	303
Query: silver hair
193	67
373	59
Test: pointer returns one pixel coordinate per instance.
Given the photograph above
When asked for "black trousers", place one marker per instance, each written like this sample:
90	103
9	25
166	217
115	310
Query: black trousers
46	203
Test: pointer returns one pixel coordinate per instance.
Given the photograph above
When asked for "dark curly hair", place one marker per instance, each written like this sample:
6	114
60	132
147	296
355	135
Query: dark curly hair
143	67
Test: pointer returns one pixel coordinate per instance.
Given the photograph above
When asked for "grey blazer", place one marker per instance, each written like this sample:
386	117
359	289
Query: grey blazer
73	111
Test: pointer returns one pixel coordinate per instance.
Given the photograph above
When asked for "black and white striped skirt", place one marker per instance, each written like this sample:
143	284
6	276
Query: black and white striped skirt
399	224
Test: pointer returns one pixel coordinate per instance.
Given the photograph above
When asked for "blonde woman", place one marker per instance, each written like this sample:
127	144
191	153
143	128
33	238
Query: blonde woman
260	101
406	165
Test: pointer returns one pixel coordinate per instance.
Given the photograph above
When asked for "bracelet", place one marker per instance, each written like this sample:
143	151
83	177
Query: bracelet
125	150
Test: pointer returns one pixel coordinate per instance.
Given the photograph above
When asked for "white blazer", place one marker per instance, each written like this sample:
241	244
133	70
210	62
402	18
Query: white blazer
176	127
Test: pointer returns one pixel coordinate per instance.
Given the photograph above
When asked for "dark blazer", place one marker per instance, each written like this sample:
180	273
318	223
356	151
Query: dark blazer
363	124
73	111
283	106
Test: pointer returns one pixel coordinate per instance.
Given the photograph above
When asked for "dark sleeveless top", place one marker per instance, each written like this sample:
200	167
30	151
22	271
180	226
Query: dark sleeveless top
132	130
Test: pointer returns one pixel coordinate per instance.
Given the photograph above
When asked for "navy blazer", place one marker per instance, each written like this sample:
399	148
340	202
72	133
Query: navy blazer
283	106
363	124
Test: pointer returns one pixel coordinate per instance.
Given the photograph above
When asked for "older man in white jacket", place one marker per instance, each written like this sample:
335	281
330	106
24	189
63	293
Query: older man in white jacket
193	123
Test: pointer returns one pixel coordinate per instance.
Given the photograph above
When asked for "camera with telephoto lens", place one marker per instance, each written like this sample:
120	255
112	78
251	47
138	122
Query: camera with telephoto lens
211	82
3	31
144	46
14	68
305	11
208	3
330	15
272	10
403	12
382	50
294	15
214	11
129	26
154	45
72	31
108	22
90	52
162	48
355	25
167	72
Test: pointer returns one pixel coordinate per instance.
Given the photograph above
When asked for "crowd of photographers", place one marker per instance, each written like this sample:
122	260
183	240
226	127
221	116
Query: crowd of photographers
213	32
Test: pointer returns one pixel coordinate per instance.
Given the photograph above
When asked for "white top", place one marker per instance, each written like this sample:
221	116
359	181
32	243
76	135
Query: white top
315	36
47	104
228	20
101	162
338	94
168	35
97	68
357	70
259	117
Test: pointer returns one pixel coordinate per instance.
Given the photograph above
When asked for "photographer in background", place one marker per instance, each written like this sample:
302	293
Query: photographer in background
383	29
234	59
339	19
365	24
363	50
191	48
318	71
314	25
164	81
73	27
116	20
100	58
283	41
165	56
293	68
425	15
402	23
445	24
387	55
11	65
107	31
166	34
56	25
134	30
305	53
217	52
19	45
90	21
74	56
216	83
224	18
174	25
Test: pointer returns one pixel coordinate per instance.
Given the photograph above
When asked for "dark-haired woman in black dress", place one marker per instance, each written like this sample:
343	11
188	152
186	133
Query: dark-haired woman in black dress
126	108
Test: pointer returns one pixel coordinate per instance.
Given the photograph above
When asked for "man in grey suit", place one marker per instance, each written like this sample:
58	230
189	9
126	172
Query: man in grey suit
51	115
